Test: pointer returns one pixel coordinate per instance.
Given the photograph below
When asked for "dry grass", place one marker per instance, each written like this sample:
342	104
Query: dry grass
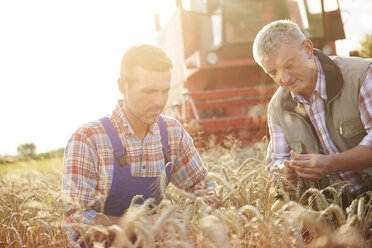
31	210
255	211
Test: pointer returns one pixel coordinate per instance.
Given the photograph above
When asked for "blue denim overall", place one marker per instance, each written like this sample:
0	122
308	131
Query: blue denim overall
125	186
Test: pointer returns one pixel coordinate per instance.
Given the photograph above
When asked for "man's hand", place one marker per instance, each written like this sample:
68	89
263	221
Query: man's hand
165	230
153	218
310	166
102	227
208	194
99	233
287	172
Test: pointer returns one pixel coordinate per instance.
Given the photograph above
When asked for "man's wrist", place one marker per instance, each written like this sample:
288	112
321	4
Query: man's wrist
330	161
105	220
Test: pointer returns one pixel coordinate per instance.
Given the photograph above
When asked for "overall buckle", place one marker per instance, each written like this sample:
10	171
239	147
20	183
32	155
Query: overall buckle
121	157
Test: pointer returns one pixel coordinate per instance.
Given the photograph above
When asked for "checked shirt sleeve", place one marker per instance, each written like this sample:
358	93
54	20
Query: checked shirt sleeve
278	149
78	183
365	107
189	167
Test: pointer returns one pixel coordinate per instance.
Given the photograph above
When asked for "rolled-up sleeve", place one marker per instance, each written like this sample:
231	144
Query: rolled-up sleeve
278	149
189	166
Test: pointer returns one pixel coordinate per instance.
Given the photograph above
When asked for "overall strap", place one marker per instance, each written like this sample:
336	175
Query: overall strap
164	139
119	150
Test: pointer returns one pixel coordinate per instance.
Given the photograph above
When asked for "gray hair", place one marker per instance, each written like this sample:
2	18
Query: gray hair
273	35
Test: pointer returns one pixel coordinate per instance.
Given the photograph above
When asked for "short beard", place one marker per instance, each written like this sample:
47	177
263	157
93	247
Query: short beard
127	108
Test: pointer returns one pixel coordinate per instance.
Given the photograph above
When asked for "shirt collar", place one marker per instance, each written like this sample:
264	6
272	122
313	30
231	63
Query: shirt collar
119	118
320	86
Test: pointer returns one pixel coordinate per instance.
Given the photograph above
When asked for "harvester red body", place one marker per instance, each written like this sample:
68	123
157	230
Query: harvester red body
217	87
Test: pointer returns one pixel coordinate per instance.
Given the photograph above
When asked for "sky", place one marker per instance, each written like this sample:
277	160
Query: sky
59	61
357	19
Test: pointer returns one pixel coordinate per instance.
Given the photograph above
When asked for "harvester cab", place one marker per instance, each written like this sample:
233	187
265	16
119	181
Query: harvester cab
217	87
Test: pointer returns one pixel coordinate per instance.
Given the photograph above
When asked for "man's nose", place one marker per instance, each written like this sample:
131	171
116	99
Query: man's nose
285	76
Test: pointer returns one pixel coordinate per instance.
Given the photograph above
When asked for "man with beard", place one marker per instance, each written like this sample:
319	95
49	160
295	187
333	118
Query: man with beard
109	161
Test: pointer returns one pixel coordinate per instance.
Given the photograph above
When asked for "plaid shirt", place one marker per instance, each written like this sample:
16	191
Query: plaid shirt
278	149
89	162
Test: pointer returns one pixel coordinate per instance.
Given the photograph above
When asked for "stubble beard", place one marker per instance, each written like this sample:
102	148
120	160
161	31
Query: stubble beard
147	120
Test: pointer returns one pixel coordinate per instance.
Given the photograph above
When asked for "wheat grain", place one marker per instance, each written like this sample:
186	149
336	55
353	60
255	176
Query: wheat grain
337	211
225	175
135	199
33	205
351	209
298	188
361	208
18	238
322	202
219	180
333	191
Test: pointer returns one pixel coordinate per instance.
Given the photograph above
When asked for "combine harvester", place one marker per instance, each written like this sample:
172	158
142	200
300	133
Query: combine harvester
217	87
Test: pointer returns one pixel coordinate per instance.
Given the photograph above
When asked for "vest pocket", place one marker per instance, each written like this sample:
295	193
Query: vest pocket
352	130
297	147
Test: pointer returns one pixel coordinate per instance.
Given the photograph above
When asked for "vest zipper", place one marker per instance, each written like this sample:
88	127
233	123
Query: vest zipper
340	127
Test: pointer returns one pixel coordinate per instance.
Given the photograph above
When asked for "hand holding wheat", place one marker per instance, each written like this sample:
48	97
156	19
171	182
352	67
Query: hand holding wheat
310	166
209	195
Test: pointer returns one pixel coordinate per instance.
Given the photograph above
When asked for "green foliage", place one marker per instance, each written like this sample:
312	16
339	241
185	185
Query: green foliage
366	46
26	150
51	154
7	159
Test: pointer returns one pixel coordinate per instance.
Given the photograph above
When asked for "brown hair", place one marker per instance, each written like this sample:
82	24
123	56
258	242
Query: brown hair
148	57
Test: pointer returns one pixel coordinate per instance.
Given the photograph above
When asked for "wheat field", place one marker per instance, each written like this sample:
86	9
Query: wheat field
255	210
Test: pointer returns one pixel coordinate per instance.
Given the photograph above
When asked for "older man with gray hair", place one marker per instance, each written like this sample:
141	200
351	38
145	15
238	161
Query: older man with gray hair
320	118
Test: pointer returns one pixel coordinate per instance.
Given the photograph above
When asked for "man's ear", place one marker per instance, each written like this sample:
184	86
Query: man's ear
122	85
307	45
